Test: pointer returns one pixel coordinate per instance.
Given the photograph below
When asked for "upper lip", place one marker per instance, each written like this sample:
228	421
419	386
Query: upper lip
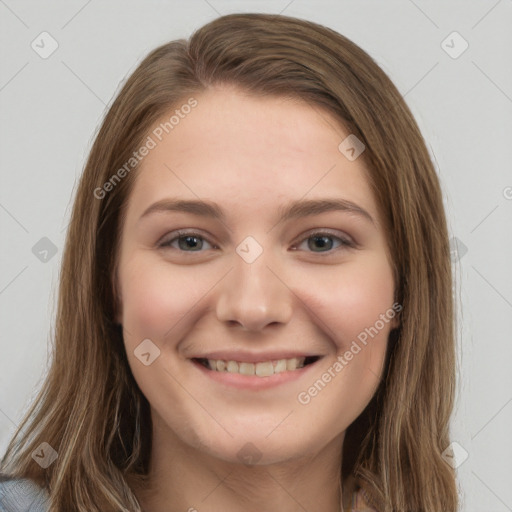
253	357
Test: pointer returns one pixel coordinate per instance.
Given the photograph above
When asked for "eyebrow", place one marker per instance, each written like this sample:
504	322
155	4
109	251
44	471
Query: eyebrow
292	210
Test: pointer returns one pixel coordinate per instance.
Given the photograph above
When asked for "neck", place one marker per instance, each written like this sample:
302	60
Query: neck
183	478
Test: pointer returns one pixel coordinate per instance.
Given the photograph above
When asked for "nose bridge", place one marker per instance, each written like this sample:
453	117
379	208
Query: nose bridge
252	295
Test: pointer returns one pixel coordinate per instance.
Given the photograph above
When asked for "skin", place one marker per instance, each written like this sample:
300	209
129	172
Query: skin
251	156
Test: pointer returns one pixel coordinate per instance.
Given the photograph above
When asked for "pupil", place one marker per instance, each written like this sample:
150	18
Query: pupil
187	242
321	242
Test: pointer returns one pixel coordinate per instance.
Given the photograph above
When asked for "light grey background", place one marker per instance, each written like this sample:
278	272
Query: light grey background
50	109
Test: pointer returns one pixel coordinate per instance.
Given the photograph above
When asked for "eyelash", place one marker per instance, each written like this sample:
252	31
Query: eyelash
345	242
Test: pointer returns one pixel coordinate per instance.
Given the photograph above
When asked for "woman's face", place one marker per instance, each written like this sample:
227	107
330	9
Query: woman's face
264	272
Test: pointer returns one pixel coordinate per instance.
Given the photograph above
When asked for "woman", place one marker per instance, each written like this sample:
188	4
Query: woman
255	305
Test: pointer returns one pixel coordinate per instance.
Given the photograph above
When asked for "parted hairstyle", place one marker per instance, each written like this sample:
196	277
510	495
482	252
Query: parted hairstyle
90	409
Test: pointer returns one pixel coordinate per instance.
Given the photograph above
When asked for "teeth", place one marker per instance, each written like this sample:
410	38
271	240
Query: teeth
264	369
232	367
291	364
280	366
246	368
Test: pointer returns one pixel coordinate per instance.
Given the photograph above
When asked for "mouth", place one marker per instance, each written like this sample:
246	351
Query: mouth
260	369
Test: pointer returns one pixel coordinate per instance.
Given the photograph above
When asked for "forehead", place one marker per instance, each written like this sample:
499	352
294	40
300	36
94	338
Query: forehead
242	149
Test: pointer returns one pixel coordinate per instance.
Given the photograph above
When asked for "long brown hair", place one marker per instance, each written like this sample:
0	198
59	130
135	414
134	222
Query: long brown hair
90	409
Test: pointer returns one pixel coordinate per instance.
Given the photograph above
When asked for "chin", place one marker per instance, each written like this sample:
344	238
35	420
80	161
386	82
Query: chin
254	448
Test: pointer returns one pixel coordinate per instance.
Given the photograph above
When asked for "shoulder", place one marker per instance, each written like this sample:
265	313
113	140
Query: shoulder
22	495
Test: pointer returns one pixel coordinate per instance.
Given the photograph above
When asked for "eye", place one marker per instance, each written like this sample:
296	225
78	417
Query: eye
324	242
319	242
188	241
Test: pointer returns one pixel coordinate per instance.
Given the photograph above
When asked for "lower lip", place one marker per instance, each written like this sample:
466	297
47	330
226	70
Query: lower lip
253	382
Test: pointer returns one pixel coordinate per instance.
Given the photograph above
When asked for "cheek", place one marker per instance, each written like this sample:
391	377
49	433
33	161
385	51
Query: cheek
355	312
356	295
155	297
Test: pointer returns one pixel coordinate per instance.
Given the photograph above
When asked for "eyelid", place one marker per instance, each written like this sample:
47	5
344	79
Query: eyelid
165	241
326	231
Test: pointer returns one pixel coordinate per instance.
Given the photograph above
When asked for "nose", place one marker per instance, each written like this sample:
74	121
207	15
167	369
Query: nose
254	295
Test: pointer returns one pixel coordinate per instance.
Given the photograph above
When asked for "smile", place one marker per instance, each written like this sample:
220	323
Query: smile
259	369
